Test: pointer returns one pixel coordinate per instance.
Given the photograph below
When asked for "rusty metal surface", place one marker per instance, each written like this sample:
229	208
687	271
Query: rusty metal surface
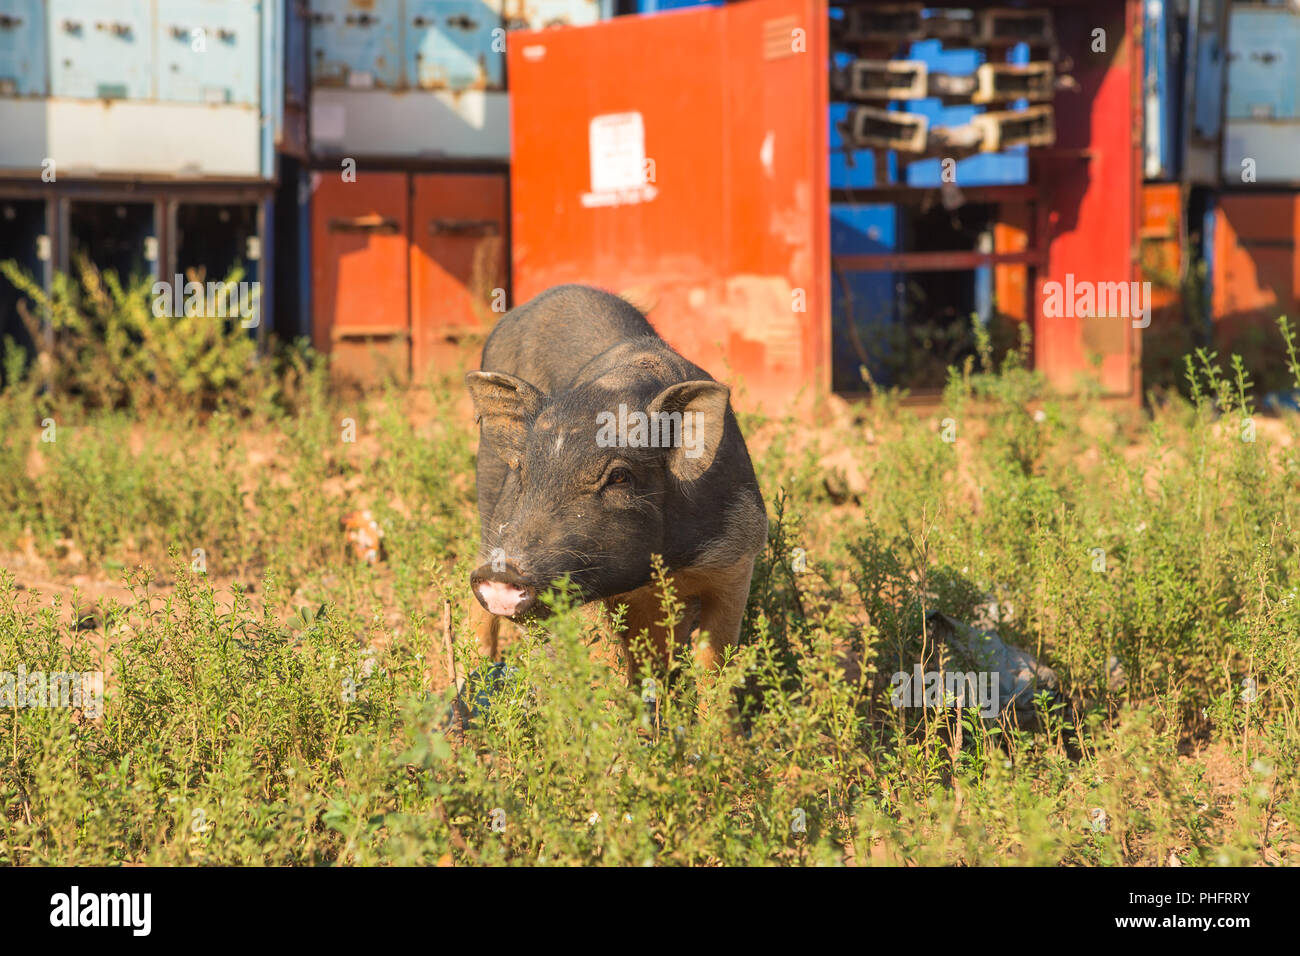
359	270
678	160
458	263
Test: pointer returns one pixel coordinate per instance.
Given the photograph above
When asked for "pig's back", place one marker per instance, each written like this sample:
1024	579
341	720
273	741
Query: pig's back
547	340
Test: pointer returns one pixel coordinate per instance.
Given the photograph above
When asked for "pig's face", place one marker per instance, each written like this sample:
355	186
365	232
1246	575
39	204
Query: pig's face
590	482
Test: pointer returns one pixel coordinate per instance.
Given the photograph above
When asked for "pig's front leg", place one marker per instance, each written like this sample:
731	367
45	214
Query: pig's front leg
487	629
723	595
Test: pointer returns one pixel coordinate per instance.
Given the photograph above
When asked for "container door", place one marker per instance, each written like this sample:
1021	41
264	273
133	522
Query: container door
209	52
22	48
681	161
1089	303
455	44
1255	270
356	44
101	50
359	258
1261	135
458	267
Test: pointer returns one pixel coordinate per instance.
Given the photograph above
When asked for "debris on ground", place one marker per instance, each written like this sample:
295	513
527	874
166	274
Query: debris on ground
1021	677
364	535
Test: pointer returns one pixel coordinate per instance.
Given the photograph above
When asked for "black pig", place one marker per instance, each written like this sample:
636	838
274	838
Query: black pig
599	446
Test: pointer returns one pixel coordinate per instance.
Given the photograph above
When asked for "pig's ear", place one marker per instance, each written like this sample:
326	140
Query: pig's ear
505	406
703	407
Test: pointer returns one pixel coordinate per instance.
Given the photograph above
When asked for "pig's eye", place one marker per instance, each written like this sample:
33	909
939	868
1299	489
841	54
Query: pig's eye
619	476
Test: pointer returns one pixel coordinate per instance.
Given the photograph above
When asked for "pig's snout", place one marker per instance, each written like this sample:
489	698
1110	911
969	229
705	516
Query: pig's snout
503	592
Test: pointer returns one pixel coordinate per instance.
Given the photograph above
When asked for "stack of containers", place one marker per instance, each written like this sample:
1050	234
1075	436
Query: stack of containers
148	136
410	157
1252	222
872	305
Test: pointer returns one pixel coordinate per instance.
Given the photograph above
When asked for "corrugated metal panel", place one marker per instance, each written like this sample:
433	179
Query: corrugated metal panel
1263	52
1161	112
296	56
1206	64
22	49
1161	238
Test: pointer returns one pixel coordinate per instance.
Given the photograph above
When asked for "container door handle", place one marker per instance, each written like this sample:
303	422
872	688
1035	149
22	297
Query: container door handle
383	225
464	227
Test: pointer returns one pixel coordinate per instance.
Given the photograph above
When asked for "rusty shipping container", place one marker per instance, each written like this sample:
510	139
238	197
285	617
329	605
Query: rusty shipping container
683	160
405	264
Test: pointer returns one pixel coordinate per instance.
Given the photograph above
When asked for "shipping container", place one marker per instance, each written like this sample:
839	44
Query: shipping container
23	71
1256	275
1261	135
1162	31
405	266
684	160
421	78
681	159
115	234
149	88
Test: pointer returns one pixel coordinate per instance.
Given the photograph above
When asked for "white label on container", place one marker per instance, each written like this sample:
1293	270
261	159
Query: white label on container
618	162
328	121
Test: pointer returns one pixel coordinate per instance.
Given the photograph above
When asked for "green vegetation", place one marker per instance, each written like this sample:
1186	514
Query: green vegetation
289	704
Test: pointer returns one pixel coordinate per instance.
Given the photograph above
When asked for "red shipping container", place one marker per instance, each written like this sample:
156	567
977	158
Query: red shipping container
1256	275
681	160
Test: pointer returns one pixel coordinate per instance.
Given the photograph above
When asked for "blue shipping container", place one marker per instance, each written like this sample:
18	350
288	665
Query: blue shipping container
22	49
